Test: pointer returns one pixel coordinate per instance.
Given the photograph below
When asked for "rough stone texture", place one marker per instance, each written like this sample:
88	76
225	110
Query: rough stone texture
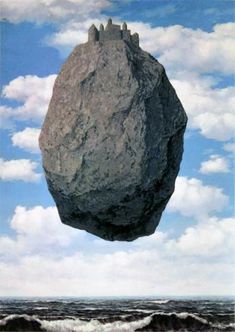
112	140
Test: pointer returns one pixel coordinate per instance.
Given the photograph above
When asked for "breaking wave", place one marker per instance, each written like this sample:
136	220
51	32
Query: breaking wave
181	322
29	323
20	323
156	322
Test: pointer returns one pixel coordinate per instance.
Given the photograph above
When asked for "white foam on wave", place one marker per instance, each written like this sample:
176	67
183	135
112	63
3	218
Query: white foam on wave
184	315
146	311
231	325
93	325
159	301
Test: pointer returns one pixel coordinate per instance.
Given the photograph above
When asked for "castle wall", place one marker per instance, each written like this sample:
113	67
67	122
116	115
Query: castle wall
126	35
135	39
112	32
109	35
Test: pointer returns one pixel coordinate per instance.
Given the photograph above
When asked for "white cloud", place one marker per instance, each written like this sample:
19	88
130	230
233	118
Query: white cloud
71	17
216	164
73	33
27	139
211	237
32	92
209	51
210	110
122	273
192	198
40	11
38	229
143	267
19	169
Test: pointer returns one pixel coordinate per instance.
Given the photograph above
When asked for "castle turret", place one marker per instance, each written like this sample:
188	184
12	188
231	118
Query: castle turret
93	34
135	39
124	26
126	34
101	27
109	24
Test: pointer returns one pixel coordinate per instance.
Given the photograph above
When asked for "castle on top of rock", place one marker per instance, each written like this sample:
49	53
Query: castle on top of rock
112	32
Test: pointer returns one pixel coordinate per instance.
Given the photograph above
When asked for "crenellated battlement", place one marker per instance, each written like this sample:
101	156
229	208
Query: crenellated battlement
112	32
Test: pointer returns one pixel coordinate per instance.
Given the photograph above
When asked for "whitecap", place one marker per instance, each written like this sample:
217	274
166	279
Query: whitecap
93	325
159	301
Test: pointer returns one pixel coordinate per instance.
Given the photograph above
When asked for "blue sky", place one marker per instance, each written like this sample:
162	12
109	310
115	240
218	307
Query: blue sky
191	252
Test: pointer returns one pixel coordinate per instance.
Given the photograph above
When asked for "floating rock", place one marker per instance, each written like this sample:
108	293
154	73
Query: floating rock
112	139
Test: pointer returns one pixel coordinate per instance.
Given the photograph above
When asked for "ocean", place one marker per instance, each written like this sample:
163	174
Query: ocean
117	314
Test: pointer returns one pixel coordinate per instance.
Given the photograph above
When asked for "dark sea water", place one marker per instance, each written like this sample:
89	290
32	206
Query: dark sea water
114	315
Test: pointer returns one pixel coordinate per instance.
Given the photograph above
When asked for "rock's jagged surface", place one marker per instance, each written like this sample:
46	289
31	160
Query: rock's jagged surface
112	140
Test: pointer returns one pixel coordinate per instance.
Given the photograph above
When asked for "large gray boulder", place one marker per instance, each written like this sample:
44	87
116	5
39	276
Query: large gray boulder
112	139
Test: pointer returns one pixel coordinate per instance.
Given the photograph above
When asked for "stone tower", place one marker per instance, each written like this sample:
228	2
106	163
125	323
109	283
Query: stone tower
93	34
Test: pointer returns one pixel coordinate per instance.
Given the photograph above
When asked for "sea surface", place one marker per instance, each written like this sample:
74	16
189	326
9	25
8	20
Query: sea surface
117	314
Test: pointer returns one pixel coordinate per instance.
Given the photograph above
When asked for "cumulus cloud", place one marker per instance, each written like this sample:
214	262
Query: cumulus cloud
143	267
192	198
19	169
71	17
209	51
33	93
130	273
216	164
27	139
72	34
37	229
54	11
210	110
212	237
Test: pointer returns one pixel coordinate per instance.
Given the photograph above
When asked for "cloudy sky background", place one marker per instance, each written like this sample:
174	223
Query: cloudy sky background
192	251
